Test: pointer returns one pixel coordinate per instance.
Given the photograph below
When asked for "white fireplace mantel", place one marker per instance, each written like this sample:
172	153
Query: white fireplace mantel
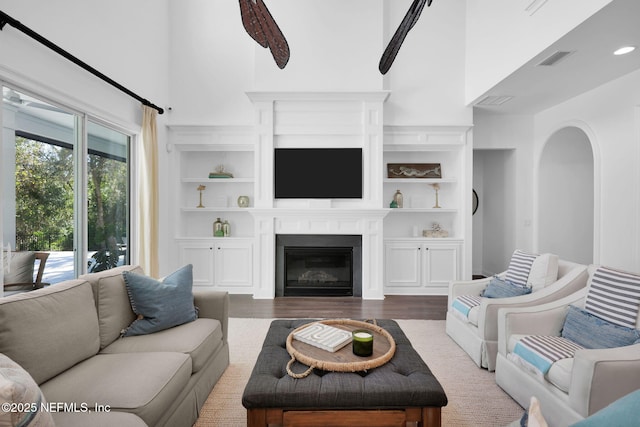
319	119
366	223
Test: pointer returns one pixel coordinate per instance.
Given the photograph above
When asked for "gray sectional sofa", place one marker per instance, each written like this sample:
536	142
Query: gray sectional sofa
67	337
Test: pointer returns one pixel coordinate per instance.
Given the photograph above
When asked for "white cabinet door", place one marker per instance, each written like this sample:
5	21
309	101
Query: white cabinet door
233	264
441	266
403	264
200	255
420	267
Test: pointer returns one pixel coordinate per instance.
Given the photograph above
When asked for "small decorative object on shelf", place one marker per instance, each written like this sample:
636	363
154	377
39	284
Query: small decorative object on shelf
201	188
226	229
362	343
243	201
398	198
393	204
436	231
414	170
220	173
436	187
217	228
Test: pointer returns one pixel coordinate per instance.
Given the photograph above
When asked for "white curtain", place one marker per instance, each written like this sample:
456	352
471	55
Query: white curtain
147	245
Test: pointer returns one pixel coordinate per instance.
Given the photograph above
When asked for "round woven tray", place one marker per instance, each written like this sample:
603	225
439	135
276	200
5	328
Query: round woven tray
343	360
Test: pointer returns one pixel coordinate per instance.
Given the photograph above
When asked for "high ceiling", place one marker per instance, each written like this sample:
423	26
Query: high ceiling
535	88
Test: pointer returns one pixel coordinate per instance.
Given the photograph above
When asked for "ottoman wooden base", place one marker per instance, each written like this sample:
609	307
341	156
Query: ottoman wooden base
424	417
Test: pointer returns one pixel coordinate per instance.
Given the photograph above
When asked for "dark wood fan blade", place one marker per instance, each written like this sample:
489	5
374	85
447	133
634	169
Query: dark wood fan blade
251	23
275	39
394	45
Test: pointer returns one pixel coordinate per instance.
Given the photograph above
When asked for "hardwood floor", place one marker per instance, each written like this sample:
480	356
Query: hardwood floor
392	307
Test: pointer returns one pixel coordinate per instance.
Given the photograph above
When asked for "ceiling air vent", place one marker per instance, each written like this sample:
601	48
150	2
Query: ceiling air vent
555	57
494	100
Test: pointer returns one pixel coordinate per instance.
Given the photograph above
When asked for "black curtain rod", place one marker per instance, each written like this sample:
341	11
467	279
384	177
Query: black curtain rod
6	19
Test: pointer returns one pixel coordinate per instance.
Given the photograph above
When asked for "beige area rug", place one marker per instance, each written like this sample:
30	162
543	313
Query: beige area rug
474	398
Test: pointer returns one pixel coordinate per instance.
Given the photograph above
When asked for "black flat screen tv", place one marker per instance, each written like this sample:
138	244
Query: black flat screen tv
318	173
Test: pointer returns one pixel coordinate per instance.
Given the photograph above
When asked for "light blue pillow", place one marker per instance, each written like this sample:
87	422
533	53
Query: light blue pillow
590	331
624	412
160	304
499	288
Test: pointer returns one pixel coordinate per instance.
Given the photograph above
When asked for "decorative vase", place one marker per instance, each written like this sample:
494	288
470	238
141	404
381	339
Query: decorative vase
398	198
243	201
217	228
226	229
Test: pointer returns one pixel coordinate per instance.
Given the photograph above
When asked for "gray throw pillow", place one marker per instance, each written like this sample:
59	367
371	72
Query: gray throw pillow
160	304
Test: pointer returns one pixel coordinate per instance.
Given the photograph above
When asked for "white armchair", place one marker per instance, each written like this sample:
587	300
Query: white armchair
477	334
575	387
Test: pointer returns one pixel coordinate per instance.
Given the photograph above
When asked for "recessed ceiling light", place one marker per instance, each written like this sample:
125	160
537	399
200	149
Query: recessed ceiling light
624	50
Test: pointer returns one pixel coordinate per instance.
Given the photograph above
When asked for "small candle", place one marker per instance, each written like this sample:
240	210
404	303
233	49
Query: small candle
362	343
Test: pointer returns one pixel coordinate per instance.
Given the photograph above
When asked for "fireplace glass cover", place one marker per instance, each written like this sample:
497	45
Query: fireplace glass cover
318	271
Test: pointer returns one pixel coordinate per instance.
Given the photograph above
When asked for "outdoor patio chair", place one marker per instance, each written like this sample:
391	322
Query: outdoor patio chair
18	272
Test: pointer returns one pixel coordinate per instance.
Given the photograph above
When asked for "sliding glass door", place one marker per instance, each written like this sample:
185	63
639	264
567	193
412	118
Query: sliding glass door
107	198
65	182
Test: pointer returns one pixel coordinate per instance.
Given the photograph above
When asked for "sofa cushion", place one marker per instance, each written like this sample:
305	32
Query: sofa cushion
160	304
544	271
560	374
591	331
22	395
614	296
49	330
200	339
112	301
98	419
18	267
145	384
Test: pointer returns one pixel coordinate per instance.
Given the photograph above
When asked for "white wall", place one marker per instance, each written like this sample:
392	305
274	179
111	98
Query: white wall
610	116
565	196
125	40
335	46
494	233
513	133
502	36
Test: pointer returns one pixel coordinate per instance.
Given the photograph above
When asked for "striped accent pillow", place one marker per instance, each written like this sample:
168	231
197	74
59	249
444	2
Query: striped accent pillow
614	296
519	267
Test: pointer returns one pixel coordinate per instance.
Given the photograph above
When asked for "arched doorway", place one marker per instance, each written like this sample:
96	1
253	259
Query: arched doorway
566	196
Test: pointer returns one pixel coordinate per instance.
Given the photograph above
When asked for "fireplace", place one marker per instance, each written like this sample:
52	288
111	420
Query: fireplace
319	265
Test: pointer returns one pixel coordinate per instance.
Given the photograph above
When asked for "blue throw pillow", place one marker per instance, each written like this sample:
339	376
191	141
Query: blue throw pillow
591	331
623	412
160	304
499	288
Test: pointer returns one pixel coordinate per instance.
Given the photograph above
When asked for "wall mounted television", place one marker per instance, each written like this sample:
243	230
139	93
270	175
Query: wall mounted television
318	173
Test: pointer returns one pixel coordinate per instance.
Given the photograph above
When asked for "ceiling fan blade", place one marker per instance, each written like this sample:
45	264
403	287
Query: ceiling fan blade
251	23
409	20
275	39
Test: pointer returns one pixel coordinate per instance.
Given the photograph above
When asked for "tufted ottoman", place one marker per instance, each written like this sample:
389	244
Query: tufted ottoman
400	391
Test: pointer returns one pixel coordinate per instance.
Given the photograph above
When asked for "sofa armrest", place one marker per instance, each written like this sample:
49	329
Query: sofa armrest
564	286
602	376
545	319
468	287
213	305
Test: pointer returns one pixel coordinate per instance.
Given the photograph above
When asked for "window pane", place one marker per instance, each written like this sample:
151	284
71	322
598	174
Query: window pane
38	179
108	198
